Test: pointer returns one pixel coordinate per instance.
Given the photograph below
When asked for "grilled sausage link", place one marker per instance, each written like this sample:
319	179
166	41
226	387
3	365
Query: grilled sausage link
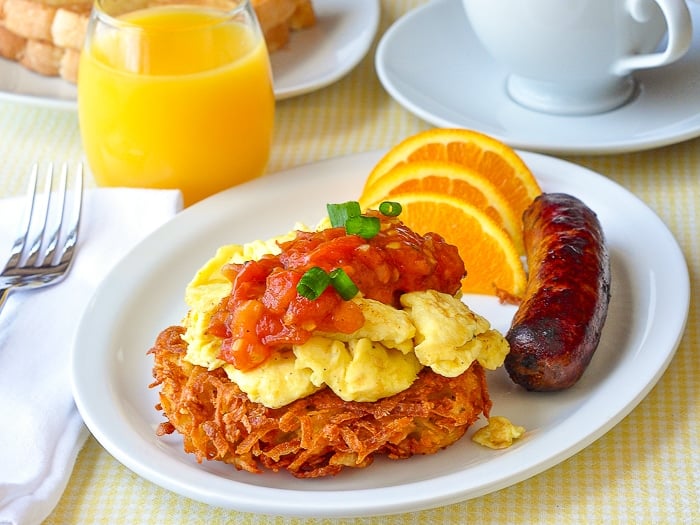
557	327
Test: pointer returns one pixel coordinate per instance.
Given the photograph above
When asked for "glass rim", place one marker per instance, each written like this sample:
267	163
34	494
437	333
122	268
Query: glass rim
228	8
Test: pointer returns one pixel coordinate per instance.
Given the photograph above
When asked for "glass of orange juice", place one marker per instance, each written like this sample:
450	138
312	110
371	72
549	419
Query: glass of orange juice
175	94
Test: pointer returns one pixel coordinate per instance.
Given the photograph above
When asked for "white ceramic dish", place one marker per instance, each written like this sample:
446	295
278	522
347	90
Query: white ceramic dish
431	62
143	294
315	58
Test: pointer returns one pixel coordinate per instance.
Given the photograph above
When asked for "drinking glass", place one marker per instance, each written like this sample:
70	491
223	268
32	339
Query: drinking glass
175	94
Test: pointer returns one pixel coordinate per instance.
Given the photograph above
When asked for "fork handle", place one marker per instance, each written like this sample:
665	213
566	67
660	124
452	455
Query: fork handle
4	294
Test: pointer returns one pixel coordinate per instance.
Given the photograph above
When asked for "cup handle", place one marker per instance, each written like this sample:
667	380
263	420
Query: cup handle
680	35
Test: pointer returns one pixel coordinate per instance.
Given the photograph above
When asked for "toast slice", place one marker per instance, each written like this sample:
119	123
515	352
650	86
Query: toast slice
46	35
278	20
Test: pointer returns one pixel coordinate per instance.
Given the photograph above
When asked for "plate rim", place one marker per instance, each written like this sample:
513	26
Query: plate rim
330	505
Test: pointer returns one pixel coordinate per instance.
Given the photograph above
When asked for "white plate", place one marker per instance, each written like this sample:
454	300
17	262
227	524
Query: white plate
432	64
315	57
144	294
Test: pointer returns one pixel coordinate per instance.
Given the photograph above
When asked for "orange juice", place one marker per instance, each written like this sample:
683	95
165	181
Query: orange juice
185	101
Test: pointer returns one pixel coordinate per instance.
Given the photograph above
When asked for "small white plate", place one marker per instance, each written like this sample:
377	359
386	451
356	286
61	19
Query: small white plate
315	57
431	62
322	54
144	294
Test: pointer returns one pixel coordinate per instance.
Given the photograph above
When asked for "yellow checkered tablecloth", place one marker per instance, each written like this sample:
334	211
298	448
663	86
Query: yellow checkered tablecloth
645	470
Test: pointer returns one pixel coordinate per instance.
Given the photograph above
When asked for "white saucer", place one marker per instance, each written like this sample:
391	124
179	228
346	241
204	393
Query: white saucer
432	64
315	58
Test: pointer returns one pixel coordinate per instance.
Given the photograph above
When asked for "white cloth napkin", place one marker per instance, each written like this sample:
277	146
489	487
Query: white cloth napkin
41	431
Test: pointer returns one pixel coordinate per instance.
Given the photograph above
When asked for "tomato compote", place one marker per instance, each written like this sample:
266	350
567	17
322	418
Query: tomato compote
264	311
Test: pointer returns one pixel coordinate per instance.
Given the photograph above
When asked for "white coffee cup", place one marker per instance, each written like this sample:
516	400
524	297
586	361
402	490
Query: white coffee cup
577	56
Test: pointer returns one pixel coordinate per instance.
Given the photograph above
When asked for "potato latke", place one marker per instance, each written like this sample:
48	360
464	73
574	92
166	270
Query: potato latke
314	436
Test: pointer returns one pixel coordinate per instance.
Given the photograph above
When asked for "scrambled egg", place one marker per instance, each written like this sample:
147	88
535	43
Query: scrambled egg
498	433
381	359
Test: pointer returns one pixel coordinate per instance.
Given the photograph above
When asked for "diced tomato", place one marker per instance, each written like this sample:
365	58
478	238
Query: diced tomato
250	280
245	353
307	313
346	318
273	332
244	319
280	290
218	325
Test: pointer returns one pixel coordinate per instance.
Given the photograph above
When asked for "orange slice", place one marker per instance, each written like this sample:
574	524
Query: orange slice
448	178
492	261
494	159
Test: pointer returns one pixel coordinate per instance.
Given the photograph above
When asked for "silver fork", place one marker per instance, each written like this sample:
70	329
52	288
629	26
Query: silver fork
44	249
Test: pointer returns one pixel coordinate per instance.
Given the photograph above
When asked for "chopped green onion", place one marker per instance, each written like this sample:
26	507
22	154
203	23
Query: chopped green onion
390	208
340	213
343	284
365	227
313	283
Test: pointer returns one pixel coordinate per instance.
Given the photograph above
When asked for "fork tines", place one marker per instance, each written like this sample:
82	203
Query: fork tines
49	228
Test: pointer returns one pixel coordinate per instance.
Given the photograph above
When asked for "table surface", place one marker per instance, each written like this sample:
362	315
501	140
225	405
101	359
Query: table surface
658	481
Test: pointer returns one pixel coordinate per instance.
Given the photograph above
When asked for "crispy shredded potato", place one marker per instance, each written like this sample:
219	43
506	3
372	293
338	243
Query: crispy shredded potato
314	436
